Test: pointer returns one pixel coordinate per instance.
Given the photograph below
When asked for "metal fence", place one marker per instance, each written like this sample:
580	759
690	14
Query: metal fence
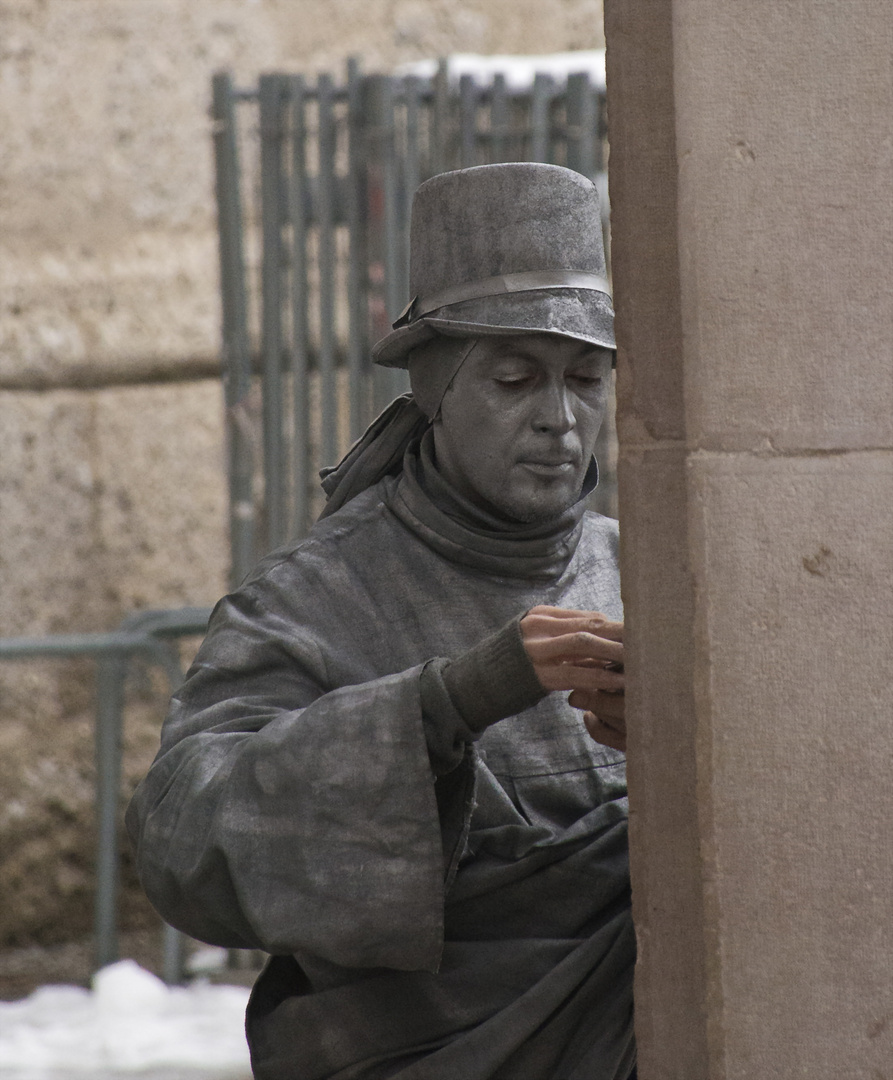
151	635
314	187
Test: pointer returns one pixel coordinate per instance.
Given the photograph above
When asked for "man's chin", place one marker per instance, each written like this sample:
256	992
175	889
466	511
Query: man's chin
536	509
541	517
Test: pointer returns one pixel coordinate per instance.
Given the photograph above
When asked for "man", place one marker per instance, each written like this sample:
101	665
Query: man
368	773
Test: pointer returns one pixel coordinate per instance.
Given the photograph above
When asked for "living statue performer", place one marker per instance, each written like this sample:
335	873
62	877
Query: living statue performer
396	764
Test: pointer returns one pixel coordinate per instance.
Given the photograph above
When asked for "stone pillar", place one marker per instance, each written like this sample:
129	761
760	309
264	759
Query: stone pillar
752	219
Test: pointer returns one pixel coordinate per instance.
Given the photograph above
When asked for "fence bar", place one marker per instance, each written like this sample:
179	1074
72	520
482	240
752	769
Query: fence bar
581	125
468	99
394	255
297	212
271	134
326	218
236	348
499	117
601	113
134	636
109	705
539	117
411	93
168	622
112	644
385	381
140	632
440	119
173	955
357	300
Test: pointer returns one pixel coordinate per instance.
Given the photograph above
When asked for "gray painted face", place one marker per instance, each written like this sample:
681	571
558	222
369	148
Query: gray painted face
517	427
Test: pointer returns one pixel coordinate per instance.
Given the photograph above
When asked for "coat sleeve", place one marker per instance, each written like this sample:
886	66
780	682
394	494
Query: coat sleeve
283	815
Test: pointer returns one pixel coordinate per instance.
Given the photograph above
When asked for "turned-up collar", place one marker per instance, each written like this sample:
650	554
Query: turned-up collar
463	533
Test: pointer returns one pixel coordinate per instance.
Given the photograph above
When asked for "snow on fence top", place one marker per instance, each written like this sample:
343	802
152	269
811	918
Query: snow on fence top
519	71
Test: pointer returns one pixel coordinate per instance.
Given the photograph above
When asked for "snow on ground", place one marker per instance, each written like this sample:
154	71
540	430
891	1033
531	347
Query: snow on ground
519	71
129	1025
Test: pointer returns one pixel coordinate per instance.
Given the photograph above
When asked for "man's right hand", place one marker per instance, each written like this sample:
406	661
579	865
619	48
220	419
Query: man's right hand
580	651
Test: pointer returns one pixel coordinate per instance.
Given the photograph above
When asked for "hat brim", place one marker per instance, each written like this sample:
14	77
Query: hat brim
580	314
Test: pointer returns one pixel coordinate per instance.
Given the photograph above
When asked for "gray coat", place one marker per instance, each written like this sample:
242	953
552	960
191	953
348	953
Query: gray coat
472	924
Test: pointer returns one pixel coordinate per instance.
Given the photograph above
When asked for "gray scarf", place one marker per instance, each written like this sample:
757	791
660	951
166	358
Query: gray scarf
466	534
380	449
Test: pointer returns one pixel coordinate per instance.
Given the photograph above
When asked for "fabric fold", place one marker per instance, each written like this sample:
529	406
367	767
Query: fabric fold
379	452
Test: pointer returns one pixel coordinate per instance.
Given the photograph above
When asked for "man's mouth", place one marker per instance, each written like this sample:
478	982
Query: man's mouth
549	466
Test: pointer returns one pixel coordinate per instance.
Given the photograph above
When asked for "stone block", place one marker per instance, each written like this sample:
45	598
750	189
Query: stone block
793	573
47	482
48	824
784	226
92	315
645	261
47	571
664	796
110	500
162	512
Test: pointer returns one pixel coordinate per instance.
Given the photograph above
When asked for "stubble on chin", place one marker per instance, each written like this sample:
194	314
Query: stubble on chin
536	508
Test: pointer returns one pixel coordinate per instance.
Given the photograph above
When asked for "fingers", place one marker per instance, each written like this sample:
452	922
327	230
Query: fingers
576	640
581	651
578	645
553	621
609	708
574	650
558	612
568	676
603	734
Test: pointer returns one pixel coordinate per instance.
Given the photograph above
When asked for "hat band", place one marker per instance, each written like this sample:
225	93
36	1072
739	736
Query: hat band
529	281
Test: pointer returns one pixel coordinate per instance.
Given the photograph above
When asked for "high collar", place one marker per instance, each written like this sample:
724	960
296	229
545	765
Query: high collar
463	533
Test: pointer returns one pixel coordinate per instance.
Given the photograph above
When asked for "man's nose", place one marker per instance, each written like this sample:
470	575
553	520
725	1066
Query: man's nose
553	410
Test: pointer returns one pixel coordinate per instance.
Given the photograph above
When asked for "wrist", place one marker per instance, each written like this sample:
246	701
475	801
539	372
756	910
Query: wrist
494	679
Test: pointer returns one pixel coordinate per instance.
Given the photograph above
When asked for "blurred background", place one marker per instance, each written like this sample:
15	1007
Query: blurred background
114	444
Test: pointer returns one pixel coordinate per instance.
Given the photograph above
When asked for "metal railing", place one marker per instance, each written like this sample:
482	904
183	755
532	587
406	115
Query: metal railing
316	179
150	635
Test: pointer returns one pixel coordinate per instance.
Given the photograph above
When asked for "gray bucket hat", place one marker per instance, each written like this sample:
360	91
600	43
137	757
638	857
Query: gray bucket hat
504	249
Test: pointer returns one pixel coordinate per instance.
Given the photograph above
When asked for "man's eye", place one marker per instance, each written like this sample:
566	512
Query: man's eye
512	380
589	381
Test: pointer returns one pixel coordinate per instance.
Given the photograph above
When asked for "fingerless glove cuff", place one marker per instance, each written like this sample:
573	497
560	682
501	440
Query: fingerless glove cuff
494	679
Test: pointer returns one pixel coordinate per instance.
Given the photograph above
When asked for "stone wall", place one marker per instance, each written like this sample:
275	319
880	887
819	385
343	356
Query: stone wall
751	187
112	487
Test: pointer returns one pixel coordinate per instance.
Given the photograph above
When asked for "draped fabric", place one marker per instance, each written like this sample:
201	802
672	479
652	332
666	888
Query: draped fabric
380	450
432	367
474	925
